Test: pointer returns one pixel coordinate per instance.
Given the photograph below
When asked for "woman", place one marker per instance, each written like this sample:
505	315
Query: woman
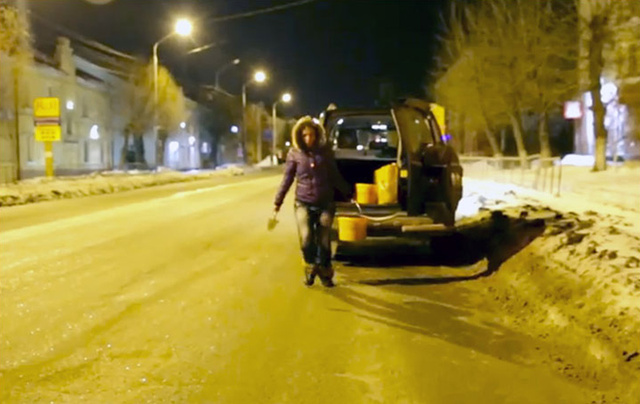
311	163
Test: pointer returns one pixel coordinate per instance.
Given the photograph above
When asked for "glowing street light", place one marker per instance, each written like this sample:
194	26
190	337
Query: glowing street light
183	27
258	77
286	98
234	129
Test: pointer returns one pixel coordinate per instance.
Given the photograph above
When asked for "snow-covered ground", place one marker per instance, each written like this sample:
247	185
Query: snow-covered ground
618	185
577	285
44	189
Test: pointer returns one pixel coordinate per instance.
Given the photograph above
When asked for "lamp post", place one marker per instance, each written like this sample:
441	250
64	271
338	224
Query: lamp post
258	77
182	28
234	62
286	98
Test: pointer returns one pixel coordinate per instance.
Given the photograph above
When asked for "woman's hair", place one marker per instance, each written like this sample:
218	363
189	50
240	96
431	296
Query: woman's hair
306	122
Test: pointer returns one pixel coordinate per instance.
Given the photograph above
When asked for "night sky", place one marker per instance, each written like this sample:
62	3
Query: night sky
324	51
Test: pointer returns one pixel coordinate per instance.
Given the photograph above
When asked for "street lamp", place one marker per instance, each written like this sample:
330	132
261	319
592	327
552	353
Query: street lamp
258	77
234	62
286	98
183	27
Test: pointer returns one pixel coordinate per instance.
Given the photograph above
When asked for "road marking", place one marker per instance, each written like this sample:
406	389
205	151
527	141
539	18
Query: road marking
184	194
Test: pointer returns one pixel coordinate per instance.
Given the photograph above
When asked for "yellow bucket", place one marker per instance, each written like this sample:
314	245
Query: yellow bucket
352	228
387	184
366	194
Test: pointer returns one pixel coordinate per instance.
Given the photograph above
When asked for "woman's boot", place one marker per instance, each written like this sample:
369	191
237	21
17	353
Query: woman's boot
326	276
310	272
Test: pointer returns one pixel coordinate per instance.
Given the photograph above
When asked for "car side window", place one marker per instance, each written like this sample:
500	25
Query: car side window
435	128
414	128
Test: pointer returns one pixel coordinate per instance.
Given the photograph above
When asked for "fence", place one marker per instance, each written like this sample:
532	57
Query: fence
538	173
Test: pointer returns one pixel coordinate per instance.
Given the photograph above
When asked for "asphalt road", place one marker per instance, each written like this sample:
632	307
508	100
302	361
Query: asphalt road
182	295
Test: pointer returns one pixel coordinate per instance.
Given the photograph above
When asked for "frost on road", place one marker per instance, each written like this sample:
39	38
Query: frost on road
188	298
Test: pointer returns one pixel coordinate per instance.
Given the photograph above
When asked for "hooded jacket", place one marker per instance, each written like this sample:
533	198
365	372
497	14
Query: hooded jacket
314	169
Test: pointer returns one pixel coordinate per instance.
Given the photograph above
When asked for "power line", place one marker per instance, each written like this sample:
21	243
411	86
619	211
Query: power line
90	43
261	11
102	48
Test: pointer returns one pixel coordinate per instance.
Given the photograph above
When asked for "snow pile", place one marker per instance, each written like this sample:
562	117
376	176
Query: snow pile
578	160
44	189
617	186
267	162
479	195
576	286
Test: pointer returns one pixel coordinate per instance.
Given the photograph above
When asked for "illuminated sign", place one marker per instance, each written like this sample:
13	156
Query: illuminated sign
572	110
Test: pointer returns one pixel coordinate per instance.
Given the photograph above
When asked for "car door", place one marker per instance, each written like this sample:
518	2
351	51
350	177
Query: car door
415	134
430	172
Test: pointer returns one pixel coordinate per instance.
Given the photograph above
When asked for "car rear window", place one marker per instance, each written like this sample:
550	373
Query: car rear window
371	135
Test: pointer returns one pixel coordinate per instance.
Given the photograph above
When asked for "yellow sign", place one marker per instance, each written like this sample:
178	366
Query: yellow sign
46	107
48	133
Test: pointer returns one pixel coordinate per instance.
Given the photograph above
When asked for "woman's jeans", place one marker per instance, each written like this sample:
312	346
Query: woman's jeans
314	232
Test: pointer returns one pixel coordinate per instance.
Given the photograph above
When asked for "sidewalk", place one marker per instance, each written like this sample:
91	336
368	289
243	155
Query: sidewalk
46	189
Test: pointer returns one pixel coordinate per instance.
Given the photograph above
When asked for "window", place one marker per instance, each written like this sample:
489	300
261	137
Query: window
433	125
85	107
370	135
414	128
69	125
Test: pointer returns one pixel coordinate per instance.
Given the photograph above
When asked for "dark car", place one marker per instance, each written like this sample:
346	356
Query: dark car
429	172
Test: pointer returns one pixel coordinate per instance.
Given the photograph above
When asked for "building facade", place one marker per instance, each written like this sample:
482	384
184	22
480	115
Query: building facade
92	128
84	118
620	81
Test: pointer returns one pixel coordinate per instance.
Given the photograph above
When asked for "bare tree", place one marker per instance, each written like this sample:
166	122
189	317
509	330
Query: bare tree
506	58
547	31
482	79
16	55
462	89
594	22
136	102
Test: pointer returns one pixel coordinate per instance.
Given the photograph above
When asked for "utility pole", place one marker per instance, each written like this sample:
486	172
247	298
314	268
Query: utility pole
16	116
23	23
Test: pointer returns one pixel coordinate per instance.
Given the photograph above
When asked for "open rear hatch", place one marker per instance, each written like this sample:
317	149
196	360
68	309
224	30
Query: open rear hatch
363	141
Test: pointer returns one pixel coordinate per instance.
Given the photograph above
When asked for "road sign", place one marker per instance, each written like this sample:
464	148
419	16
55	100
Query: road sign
46	107
48	133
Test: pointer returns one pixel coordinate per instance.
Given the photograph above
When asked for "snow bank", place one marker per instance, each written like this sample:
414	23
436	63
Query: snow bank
578	160
577	286
618	186
266	162
44	189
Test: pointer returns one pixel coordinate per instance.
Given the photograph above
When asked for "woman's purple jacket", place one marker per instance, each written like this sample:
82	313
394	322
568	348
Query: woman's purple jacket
317	176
